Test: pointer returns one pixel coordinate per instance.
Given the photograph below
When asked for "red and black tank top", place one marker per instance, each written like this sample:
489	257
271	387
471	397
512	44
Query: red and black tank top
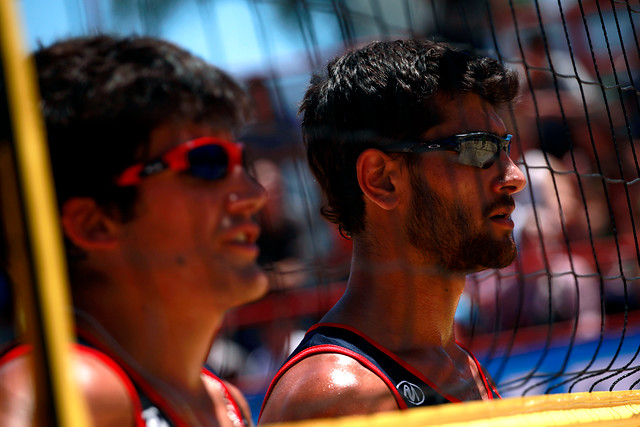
409	387
150	407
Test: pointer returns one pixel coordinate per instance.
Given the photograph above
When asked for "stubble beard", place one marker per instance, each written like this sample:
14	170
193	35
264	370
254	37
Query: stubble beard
443	232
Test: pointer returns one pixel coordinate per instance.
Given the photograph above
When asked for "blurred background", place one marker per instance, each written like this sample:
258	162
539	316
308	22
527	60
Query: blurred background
564	317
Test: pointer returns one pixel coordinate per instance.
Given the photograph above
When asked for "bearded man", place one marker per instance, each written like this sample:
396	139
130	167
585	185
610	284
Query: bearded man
407	142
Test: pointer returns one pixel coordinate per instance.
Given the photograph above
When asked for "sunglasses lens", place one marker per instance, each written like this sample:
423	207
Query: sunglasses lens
506	147
208	162
478	152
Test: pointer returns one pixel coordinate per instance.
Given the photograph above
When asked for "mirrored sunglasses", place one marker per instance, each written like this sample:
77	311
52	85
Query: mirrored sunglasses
479	149
207	158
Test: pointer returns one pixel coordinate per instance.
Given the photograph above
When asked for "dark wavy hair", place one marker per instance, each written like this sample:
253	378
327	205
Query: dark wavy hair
102	96
384	91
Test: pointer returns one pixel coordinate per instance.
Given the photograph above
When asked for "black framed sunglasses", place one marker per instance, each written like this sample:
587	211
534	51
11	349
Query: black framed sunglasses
479	149
206	157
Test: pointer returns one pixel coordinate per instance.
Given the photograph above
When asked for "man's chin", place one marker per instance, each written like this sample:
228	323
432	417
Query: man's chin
260	284
506	256
498	255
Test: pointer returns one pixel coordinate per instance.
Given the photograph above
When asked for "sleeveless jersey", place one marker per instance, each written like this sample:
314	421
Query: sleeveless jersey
409	387
151	410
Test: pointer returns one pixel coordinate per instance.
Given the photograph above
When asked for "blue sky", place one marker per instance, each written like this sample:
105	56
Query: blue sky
228	33
225	32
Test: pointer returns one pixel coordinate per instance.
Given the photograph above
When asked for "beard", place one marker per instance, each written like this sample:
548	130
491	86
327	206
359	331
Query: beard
444	232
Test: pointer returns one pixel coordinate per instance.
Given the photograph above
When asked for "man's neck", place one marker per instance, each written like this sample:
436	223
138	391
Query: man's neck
403	305
162	346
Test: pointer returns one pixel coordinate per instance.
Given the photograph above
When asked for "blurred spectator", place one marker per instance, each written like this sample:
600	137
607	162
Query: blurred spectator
292	227
227	358
552	108
279	240
279	339
272	131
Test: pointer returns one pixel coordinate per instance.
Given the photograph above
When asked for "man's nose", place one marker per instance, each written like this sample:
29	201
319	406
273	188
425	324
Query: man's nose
511	179
248	196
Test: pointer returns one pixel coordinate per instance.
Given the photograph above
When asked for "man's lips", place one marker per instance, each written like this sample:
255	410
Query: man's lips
501	208
504	221
241	239
501	213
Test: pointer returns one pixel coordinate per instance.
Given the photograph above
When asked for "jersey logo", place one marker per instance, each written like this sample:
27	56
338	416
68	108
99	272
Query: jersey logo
152	418
411	392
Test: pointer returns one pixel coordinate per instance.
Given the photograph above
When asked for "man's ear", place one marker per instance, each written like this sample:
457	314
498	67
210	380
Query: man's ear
377	175
87	225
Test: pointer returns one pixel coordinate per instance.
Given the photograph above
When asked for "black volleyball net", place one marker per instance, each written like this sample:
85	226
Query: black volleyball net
564	317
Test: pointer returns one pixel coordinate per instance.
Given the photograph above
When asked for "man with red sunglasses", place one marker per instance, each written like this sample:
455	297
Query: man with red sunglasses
156	209
407	142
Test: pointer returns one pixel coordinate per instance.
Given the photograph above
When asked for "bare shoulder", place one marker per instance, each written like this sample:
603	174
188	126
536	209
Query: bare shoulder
221	406
105	393
326	385
16	392
238	397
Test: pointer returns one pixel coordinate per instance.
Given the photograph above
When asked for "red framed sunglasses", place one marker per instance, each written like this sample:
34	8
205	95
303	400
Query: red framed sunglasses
206	157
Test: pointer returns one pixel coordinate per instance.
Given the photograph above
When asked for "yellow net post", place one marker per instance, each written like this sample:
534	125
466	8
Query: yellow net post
47	311
615	409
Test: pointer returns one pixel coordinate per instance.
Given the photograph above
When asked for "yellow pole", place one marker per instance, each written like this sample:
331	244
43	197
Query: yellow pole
42	222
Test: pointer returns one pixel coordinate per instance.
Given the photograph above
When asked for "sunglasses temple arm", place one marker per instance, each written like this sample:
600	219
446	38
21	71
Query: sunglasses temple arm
131	176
